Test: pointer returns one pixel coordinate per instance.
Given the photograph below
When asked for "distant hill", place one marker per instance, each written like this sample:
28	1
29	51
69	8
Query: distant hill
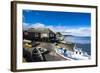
76	36
68	35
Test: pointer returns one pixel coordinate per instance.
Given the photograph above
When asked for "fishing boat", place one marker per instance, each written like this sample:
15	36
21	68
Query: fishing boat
77	54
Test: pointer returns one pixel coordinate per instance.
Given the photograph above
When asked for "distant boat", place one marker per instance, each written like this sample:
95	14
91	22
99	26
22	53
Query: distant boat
78	54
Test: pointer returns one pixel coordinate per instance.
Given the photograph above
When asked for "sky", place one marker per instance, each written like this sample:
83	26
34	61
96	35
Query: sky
73	23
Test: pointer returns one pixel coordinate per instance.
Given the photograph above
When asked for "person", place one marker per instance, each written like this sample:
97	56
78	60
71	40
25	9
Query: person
65	50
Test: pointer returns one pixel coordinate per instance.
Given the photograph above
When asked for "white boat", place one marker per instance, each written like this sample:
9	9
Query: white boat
61	53
78	54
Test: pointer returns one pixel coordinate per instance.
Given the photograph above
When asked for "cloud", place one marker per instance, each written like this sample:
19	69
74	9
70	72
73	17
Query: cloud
25	26
81	31
37	25
57	28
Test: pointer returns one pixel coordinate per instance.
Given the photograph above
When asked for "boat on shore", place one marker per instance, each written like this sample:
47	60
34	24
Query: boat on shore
77	54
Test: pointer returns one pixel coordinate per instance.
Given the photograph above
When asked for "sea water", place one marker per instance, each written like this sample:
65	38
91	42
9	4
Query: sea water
81	42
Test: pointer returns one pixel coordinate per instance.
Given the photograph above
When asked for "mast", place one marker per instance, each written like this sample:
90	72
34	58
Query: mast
74	47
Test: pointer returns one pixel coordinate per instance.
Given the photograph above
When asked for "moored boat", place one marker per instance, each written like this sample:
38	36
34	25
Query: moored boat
77	54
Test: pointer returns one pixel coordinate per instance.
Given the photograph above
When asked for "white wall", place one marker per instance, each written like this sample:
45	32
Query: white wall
5	37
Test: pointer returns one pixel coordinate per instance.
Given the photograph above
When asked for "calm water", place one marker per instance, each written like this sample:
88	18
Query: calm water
81	42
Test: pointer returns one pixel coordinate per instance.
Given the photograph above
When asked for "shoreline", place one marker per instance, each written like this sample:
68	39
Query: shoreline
52	55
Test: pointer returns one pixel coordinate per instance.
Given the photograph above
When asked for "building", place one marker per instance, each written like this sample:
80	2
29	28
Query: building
59	36
40	34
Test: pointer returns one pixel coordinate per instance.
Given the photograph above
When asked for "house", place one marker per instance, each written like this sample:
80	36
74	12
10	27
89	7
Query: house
40	34
59	36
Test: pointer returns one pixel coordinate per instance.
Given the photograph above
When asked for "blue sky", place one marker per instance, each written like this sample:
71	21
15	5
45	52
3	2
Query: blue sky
61	21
